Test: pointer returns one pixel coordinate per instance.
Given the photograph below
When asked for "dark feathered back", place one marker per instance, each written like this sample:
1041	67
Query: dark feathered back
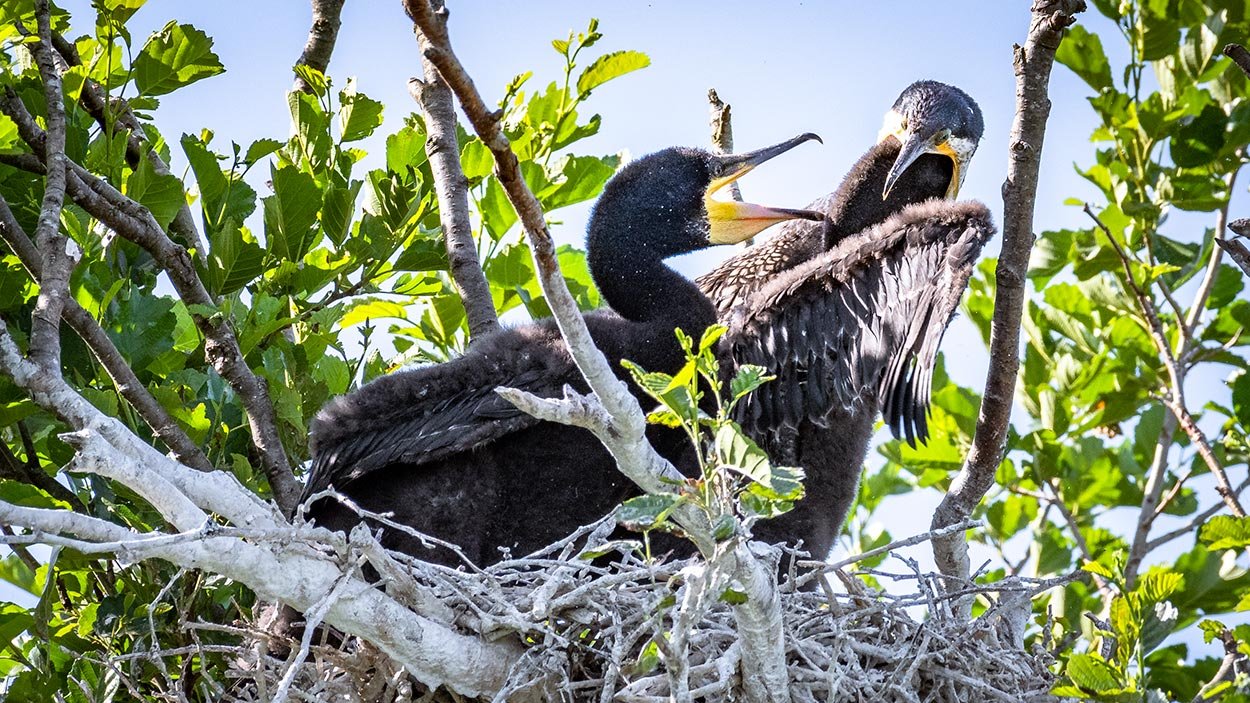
862	322
855	206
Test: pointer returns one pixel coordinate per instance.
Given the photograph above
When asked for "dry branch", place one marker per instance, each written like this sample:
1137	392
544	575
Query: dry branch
452	189
322	35
1239	55
1033	63
722	133
1237	250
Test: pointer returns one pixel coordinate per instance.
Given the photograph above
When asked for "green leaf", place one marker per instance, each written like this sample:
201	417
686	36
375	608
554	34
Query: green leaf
1093	674
581	178
235	259
740	453
648	511
1081	51
316	81
10	141
1225	532
336	210
1229	281
161	194
176	56
733	596
1211	630
223	197
260	149
372	309
748	378
497	213
359	115
1198	141
608	67
291	212
476	160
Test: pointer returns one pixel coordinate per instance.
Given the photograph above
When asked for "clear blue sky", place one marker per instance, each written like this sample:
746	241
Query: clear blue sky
786	67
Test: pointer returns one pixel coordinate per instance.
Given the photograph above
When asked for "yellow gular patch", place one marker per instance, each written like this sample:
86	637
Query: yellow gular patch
946	149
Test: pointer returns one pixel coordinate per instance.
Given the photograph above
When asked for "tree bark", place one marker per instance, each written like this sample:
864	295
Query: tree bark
1033	63
452	188
322	35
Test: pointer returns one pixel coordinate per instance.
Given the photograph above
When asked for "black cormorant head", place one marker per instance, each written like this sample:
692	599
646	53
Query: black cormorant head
933	118
666	203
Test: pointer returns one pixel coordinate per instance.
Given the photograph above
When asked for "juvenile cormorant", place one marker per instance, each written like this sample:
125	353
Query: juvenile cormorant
438	449
849	314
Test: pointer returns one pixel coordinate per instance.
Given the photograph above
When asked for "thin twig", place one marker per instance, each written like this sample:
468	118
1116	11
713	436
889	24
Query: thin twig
822	568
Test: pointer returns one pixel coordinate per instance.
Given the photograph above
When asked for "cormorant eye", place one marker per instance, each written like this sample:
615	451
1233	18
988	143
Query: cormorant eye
942	137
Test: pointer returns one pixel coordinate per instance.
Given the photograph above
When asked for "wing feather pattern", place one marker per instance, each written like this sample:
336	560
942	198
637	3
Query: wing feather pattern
862	322
428	413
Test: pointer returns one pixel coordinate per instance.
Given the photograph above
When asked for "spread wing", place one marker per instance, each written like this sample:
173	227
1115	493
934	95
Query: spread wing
861	321
428	413
749	270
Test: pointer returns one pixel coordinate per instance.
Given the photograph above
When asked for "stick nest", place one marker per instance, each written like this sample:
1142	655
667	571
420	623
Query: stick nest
612	632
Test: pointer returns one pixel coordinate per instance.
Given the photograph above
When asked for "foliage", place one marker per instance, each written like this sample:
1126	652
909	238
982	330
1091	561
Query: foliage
738	484
307	256
1097	451
305	268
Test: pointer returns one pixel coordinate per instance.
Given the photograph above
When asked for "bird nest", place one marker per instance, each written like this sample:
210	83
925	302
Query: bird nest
628	631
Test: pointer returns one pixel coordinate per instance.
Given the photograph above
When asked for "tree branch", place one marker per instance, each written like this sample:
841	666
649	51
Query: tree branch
322	35
135	223
1033	63
1236	250
1152	493
452	189
110	116
124	379
764	672
58	253
1239	55
723	133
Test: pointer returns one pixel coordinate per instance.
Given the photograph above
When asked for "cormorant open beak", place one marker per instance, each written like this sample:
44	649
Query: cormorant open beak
732	221
920	141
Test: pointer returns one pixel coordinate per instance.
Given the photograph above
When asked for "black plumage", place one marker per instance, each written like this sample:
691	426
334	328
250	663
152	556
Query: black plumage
849	314
438	449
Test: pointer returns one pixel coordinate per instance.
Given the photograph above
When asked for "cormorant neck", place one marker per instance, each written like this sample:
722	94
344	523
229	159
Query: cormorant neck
640	287
857	204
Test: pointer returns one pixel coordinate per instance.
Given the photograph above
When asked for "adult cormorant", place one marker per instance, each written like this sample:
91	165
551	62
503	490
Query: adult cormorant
437	448
848	314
